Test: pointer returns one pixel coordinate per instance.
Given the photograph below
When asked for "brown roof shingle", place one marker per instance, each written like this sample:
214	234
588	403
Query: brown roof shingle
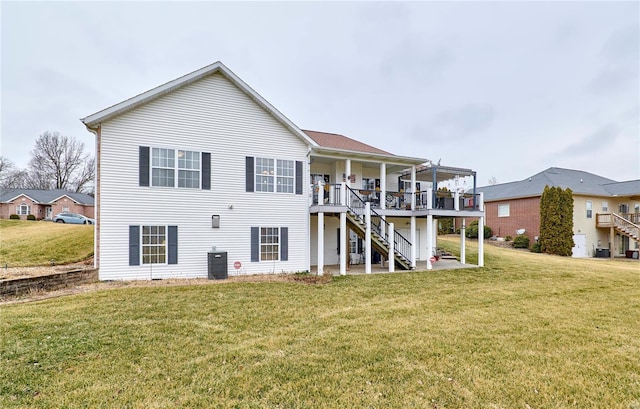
332	140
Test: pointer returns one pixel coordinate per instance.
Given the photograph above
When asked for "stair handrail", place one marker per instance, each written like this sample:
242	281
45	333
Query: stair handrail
379	225
623	224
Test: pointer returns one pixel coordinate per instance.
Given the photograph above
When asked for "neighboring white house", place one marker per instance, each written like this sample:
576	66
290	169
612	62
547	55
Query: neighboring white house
203	163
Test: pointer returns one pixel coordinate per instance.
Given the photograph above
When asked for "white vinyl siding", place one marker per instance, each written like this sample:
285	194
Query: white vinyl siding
213	115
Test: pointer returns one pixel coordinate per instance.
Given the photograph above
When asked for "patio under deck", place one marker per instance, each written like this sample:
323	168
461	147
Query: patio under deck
357	269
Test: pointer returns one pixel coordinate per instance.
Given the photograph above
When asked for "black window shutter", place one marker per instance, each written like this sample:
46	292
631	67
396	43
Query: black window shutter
255	244
338	240
134	245
284	244
250	178
206	171
144	166
173	245
298	177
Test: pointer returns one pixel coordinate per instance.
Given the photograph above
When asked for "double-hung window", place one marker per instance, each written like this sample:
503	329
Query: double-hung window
154	244
265	174
589	209
285	175
269	243
163	167
188	169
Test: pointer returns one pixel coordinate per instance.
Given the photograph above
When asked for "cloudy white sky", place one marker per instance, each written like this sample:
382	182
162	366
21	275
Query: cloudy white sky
505	88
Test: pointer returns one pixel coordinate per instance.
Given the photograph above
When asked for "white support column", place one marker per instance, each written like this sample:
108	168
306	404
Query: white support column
463	255
413	190
481	233
320	243
343	193
413	242
430	198
392	249
429	241
347	171
367	238
383	185
344	249
456	201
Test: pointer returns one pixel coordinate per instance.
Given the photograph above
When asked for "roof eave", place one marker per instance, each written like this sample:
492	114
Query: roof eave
379	157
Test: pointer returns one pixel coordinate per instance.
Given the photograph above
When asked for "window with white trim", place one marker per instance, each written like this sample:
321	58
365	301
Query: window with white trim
23	209
163	167
269	243
264	175
503	210
605	206
154	244
274	175
285	176
189	169
589	206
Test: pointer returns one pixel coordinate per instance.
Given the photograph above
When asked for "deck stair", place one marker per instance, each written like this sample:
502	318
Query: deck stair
379	232
620	224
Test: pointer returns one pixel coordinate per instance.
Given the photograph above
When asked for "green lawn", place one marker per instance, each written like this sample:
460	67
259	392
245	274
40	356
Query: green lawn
529	330
34	243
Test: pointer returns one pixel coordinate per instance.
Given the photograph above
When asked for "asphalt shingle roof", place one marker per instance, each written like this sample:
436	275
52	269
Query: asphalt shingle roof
332	140
580	182
45	196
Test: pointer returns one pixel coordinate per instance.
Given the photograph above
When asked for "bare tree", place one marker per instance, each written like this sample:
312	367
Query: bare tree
59	162
10	176
493	180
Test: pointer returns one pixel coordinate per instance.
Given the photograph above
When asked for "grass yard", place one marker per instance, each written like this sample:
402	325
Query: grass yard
528	331
34	243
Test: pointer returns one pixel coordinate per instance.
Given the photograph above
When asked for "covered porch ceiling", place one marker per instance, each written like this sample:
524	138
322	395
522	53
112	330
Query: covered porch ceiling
425	173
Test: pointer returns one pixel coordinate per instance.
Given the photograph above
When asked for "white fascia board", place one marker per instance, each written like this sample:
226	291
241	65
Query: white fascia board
93	120
377	157
22	194
68	197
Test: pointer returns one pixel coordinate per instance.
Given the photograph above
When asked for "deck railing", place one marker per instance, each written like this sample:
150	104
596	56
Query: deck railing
329	195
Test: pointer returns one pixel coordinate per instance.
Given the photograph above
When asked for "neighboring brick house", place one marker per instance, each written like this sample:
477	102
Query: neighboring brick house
598	203
44	204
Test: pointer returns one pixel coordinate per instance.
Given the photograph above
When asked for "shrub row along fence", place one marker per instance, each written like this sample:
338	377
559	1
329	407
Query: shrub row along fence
16	287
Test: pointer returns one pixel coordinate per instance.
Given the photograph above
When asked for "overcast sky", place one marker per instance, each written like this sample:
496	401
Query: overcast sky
505	88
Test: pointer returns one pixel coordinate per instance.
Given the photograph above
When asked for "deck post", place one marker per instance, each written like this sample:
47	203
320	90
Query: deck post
344	251
429	241
383	186
367	238
320	243
392	249
413	242
413	198
481	233
456	201
612	237
463	256
430	198
347	171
